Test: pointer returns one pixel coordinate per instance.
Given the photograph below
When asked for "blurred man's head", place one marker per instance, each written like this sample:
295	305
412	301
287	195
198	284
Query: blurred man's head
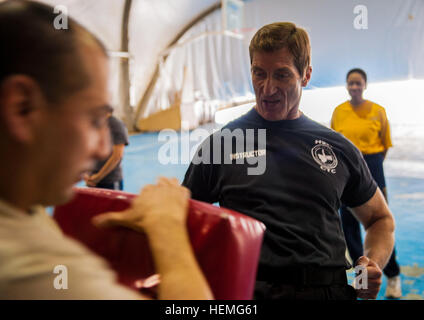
53	103
280	56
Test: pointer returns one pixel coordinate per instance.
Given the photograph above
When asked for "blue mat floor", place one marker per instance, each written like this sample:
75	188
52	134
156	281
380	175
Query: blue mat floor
406	200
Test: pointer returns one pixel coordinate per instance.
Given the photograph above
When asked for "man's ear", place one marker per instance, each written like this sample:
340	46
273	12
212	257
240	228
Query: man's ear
307	76
20	105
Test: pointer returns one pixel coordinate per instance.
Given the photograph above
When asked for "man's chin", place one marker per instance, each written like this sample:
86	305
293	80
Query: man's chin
273	114
61	198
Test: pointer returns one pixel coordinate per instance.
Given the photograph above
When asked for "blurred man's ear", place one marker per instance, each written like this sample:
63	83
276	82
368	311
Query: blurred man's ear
20	105
307	76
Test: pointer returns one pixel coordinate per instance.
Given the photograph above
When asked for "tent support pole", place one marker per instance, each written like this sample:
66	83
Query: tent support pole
124	81
146	96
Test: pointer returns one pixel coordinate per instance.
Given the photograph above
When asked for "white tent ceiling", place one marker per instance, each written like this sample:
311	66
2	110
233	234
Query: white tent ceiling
103	18
391	48
153	24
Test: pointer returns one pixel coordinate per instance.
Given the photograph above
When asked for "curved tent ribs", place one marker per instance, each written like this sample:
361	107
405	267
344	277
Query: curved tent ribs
148	92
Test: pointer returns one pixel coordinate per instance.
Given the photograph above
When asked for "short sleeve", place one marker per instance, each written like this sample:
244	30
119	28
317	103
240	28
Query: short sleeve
360	186
201	176
118	131
386	138
333	120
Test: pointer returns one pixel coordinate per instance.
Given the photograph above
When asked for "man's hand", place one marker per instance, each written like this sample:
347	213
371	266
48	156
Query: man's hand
374	278
379	225
161	212
92	181
158	208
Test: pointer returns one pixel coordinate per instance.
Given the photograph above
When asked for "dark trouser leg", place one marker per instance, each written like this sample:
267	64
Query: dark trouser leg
116	185
375	164
273	291
352	232
392	268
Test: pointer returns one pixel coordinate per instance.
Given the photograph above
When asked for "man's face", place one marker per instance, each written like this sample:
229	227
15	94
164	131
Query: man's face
75	134
277	84
356	85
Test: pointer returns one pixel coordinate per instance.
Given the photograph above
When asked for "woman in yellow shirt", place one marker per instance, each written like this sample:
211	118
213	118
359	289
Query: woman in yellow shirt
365	124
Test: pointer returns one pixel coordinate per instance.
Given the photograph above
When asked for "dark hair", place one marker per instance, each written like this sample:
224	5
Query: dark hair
279	35
357	70
30	45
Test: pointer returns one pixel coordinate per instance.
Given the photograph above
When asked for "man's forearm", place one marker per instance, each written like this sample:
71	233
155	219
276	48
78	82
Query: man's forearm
379	241
181	276
110	164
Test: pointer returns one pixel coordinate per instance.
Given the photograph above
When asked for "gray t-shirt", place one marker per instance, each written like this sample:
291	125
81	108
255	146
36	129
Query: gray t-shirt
119	135
39	262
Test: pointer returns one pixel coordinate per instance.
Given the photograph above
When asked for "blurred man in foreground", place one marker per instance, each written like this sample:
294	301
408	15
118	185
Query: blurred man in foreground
53	128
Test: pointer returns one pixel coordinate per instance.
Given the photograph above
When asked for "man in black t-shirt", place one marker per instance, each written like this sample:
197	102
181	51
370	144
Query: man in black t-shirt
291	173
108	173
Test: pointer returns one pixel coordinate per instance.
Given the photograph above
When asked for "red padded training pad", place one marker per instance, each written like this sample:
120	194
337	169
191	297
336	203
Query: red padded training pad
226	243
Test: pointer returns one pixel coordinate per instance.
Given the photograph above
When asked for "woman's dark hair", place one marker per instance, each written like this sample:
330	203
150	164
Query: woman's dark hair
357	70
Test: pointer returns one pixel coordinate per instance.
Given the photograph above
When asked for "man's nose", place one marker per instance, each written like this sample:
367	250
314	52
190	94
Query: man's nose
269	87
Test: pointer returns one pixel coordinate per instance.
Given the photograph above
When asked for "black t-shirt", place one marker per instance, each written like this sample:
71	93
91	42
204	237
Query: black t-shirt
310	170
119	135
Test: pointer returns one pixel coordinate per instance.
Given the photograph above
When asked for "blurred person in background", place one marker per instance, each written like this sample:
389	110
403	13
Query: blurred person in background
108	173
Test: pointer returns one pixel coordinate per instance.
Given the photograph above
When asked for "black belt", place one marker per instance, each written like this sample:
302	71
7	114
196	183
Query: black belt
305	276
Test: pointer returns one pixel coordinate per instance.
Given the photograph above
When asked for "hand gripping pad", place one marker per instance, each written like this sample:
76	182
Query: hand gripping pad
226	243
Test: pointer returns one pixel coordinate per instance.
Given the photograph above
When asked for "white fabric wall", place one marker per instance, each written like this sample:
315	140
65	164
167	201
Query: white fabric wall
390	49
103	18
153	25
217	70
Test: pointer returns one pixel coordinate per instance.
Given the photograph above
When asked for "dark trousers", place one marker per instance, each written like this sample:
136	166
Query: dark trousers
116	185
272	291
303	283
351	226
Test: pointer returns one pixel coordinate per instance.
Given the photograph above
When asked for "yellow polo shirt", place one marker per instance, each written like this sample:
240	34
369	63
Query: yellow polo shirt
366	126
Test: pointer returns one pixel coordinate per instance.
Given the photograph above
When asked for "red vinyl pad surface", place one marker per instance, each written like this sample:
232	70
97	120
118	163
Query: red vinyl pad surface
226	243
